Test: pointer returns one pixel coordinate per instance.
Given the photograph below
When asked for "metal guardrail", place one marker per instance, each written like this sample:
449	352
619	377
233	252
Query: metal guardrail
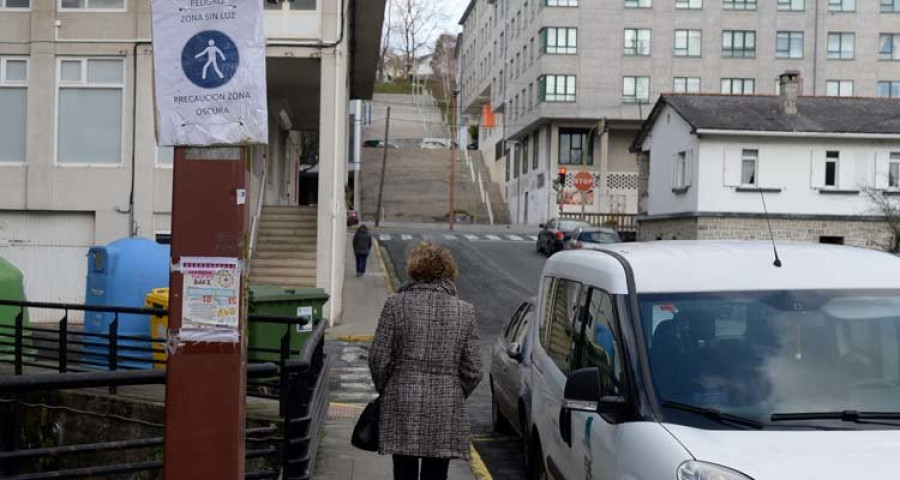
297	380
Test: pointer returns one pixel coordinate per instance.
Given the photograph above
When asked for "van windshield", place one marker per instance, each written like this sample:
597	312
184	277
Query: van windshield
756	354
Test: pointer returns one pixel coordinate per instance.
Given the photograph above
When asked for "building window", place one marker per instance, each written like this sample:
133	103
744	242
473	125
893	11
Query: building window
680	180
739	44
688	43
890	6
789	45
89	116
559	40
573	147
15	4
13	109
637	41
525	156
686	85
792	5
739	4
689	4
841	46
841	5
107	5
894	171
531	51
638	3
888	89
749	160
560	3
558	88
535	150
738	86
636	90
832	158
889	46
530	96
839	88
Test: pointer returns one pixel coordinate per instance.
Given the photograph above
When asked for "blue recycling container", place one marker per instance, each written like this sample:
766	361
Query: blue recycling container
120	275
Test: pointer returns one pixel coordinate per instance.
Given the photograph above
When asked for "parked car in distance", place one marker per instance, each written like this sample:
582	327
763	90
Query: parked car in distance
352	218
585	237
510	361
555	233
434	144
699	360
472	146
378	144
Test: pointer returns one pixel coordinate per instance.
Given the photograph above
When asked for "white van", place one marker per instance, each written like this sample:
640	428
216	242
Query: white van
703	360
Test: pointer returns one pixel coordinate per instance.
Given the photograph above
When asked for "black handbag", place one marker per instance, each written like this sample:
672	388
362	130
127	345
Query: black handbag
365	433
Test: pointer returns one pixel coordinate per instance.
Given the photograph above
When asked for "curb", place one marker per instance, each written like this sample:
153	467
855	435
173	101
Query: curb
355	338
388	279
477	465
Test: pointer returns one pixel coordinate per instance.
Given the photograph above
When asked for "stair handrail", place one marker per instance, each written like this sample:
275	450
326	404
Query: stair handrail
260	199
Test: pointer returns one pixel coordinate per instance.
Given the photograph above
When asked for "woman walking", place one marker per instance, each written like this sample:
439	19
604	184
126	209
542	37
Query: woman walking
425	362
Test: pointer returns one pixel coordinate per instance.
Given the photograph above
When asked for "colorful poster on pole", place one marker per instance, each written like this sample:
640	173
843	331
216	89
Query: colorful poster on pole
209	59
211	294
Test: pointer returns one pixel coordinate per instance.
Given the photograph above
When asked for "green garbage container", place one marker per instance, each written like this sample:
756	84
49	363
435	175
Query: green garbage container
283	302
12	287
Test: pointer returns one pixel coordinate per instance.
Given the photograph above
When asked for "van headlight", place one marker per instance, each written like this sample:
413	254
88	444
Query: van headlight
694	470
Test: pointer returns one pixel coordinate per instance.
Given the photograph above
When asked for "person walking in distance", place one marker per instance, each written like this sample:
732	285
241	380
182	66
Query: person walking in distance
425	362
362	244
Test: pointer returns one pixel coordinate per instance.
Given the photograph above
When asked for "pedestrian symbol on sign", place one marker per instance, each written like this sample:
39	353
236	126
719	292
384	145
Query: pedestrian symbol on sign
210	50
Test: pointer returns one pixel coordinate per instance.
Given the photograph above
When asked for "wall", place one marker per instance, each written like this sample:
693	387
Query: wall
868	234
669	136
786	164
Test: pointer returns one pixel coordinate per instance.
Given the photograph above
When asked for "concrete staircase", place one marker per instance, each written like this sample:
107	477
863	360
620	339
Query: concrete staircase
491	189
285	252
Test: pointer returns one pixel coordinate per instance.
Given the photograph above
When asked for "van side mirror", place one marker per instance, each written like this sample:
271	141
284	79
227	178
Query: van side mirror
588	391
514	351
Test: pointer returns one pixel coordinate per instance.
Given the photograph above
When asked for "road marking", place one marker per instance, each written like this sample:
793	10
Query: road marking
384	237
533	238
426	237
406	237
493	237
479	469
471	237
450	237
515	238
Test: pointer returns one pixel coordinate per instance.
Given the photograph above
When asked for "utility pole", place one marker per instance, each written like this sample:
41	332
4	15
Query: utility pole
387	131
453	161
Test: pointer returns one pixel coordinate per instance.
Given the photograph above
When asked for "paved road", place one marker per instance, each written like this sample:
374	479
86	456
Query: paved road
498	270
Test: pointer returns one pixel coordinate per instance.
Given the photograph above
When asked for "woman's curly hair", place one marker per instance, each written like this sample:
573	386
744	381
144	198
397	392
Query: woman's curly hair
429	262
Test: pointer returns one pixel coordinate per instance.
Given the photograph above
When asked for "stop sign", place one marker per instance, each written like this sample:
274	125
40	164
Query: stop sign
584	181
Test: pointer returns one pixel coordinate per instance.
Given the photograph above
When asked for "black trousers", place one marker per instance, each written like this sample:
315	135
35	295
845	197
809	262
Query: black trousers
407	468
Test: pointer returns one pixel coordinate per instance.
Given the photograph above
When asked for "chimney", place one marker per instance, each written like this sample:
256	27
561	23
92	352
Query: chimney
789	87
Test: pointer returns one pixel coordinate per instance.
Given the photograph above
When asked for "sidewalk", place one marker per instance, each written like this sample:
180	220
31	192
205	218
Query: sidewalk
363	299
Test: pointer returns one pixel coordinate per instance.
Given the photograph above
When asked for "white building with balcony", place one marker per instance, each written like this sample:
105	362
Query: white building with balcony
79	164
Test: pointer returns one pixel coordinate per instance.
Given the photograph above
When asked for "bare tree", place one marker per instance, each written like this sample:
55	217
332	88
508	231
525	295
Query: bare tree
386	29
888	206
415	22
443	63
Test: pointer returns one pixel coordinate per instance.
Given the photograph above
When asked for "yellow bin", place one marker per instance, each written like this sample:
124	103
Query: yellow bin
158	298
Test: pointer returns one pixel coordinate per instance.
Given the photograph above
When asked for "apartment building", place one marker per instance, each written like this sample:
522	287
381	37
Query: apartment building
79	163
567	82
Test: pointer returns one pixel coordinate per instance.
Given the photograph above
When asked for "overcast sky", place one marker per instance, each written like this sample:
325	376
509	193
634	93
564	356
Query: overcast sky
453	9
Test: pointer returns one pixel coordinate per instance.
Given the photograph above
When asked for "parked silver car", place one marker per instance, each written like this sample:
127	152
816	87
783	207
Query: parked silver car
587	236
510	371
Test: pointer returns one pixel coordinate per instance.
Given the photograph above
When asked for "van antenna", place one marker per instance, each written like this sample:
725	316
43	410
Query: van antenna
777	262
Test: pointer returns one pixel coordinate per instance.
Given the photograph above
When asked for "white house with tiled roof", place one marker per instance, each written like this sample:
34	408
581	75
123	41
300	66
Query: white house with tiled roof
709	163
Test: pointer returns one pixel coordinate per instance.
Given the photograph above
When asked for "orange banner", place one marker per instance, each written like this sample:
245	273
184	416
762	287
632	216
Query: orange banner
487	116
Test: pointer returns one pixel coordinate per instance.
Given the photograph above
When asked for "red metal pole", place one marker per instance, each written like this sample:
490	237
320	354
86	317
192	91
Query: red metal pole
453	139
206	383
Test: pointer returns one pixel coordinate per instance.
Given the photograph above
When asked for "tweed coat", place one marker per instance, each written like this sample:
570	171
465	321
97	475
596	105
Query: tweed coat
425	362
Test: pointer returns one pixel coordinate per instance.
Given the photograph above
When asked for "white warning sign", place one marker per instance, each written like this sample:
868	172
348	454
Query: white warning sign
209	59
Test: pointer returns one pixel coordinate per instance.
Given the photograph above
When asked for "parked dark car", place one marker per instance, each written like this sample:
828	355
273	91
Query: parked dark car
352	218
510	364
378	144
472	146
555	233
585	237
